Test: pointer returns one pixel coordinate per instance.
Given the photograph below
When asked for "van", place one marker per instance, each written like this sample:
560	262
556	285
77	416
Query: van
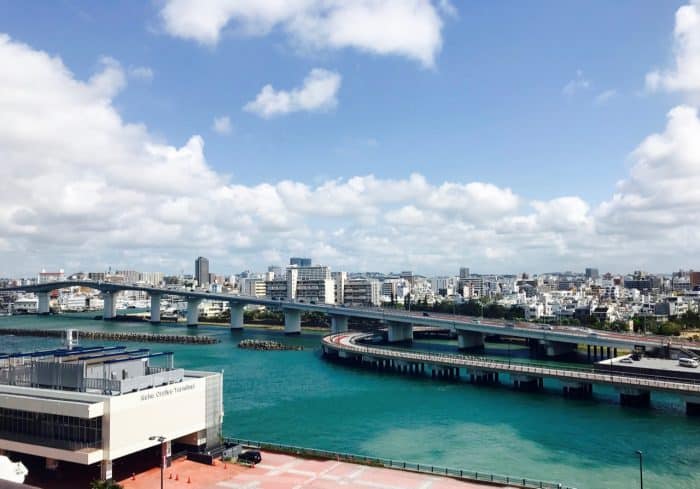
687	362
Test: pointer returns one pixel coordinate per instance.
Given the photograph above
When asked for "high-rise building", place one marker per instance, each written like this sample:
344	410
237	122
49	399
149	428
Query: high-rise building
592	273
464	272
201	271
340	279
694	279
361	292
130	276
300	262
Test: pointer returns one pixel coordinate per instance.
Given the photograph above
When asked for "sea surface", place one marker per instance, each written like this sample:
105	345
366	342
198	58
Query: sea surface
298	398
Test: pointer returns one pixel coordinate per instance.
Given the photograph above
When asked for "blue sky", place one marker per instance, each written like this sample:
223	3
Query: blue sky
492	108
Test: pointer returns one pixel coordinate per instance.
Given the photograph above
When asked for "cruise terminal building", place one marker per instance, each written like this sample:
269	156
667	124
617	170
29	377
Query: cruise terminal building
94	406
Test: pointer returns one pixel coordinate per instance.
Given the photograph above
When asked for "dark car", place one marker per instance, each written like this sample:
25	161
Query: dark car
426	314
250	456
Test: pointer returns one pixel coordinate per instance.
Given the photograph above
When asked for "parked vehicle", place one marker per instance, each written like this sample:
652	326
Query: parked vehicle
688	362
250	456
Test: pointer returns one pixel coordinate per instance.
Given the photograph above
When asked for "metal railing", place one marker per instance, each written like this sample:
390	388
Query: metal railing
470	475
573	373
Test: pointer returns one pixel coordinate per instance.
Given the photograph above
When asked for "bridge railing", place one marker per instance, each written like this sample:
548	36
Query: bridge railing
468	475
573	373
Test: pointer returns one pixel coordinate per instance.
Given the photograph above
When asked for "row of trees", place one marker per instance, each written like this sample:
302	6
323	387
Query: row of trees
470	308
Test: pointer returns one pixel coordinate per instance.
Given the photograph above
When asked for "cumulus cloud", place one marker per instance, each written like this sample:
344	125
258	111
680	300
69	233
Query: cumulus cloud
684	76
222	125
576	85
317	93
82	187
409	28
141	73
660	194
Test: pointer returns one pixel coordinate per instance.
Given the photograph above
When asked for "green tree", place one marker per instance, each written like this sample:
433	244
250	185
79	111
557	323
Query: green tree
99	484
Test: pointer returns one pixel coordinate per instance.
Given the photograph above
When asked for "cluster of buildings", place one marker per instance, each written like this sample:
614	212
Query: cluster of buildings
550	296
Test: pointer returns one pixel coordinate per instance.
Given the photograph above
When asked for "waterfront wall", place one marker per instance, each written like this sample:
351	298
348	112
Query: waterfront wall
113	336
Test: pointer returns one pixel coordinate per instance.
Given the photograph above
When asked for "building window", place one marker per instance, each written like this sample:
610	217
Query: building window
51	430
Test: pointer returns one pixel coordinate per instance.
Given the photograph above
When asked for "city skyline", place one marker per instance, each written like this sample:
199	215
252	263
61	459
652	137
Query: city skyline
524	158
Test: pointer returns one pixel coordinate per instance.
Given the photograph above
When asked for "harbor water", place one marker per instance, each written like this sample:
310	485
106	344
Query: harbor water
298	398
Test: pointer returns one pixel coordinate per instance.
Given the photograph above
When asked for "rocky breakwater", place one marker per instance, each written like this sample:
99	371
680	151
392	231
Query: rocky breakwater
267	345
115	336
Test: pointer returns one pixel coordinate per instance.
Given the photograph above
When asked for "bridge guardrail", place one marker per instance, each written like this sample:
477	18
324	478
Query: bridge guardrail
471	475
659	383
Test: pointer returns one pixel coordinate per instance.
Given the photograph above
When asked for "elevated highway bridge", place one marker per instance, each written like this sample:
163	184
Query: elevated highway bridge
470	331
634	389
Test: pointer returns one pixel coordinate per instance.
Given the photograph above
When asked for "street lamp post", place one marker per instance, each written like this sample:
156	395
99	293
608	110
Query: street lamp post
161	440
641	470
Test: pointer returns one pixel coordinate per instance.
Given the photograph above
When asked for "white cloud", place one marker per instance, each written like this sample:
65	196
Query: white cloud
605	96
660	195
409	28
576	85
141	73
222	125
685	74
317	93
83	187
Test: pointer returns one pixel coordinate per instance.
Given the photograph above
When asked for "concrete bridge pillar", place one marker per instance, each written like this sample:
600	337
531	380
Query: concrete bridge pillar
292	321
692	405
236	309
630	396
109	310
526	382
155	308
467	340
339	324
577	390
400	332
193	311
556	348
43	305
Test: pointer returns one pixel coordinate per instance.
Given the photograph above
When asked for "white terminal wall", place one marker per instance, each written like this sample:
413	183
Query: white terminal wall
172	411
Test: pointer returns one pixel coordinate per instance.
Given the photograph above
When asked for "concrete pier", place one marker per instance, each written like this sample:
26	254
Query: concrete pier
556	348
236	309
155	308
292	321
467	340
634	397
526	382
483	377
43	305
577	390
110	305
400	332
692	405
193	311
339	324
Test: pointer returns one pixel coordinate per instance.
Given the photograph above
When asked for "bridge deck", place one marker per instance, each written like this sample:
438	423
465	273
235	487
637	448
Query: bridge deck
347	342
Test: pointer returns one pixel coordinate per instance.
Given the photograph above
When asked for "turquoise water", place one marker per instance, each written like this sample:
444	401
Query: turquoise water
298	398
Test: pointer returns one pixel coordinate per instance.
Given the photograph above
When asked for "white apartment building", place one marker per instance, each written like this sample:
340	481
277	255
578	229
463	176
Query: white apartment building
45	277
308	284
362	292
